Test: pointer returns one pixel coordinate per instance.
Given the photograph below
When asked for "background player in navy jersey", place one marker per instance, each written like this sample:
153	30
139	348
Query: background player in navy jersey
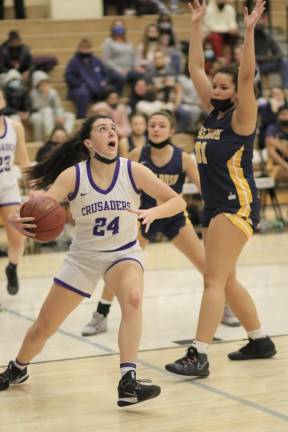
103	190
171	165
224	150
12	143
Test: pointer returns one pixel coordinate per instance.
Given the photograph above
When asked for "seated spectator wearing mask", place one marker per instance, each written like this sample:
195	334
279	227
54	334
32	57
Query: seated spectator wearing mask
57	137
119	56
221	27
16	55
17	96
277	145
86	77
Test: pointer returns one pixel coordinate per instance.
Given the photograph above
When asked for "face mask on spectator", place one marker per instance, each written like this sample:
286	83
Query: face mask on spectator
165	26
118	30
283	123
14	84
84	55
152	38
209	54
221	6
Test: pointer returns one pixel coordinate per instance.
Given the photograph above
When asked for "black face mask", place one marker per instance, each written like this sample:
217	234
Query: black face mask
283	123
105	160
84	55
153	38
159	145
221	105
221	6
114	106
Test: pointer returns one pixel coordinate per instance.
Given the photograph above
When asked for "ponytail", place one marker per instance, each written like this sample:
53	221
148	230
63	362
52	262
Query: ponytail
62	157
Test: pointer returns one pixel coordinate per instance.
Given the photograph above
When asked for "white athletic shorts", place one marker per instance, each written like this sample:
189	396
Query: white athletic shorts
82	270
10	195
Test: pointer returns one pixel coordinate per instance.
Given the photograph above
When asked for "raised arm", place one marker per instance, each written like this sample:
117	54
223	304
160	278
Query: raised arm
196	55
244	117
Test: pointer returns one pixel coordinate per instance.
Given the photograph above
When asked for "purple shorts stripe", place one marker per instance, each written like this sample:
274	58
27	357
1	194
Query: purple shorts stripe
126	246
124	259
10	204
67	286
129	166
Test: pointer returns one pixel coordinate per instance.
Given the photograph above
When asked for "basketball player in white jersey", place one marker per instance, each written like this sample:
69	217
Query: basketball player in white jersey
103	190
12	142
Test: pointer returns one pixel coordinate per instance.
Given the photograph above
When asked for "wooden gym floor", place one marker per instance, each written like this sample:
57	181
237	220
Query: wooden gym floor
73	382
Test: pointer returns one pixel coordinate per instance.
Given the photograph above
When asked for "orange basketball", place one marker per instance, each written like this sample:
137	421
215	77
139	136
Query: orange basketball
50	217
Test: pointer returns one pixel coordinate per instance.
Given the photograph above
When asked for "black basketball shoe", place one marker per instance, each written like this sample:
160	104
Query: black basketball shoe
255	349
12	375
12	279
131	391
192	364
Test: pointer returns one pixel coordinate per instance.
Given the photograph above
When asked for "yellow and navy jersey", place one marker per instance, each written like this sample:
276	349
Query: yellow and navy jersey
225	164
171	173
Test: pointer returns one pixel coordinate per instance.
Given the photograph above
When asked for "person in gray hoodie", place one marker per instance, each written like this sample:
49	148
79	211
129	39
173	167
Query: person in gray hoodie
47	109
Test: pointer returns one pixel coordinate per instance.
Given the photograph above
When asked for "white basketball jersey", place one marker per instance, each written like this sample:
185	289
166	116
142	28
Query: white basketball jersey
103	223
8	142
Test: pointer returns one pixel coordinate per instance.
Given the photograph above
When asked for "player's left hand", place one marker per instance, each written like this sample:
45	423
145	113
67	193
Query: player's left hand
251	20
146	216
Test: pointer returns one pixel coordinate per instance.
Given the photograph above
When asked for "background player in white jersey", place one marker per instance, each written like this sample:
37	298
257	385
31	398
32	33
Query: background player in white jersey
103	190
12	143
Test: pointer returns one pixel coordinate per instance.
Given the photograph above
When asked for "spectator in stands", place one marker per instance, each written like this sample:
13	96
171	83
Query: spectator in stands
17	96
168	40
119	55
221	26
16	55
138	136
146	49
151	103
236	58
277	144
163	77
268	110
269	55
116	110
58	136
190	103
19	7
47	109
138	93
146	7
86	77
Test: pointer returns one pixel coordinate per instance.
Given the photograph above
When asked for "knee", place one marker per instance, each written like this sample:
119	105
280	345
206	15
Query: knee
134	301
214	282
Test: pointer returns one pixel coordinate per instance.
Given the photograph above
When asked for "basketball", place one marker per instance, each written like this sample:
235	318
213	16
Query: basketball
50	217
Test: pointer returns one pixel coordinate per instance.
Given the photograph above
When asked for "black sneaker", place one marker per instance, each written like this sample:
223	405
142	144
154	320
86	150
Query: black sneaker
12	375
255	349
192	364
131	391
12	280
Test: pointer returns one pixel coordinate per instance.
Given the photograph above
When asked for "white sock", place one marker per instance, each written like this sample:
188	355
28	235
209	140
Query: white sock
201	347
106	302
126	367
19	365
257	334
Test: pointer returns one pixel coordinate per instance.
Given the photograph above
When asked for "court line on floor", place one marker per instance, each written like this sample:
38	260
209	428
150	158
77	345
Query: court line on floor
207	387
